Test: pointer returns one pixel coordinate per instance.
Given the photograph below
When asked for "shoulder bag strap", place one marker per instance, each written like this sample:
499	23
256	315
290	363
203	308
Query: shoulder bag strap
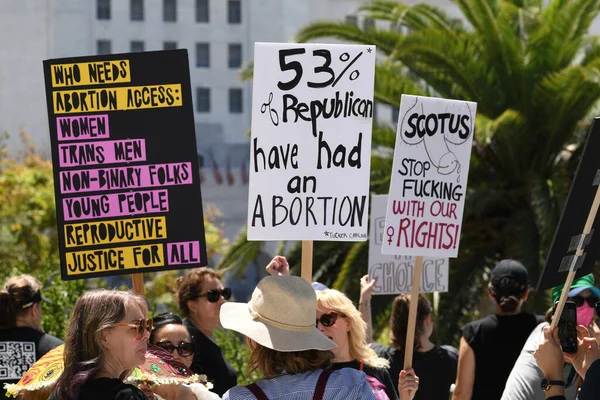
257	392
321	383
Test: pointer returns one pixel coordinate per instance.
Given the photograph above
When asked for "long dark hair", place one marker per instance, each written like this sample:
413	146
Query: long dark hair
94	311
508	293
15	296
399	320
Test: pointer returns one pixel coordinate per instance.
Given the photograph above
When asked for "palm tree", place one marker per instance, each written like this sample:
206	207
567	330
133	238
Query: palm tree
534	73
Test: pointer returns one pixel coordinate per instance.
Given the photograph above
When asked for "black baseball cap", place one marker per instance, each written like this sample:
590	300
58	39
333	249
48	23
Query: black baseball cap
509	269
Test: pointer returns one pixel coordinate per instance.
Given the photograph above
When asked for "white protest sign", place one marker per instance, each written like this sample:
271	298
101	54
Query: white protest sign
393	272
429	177
310	151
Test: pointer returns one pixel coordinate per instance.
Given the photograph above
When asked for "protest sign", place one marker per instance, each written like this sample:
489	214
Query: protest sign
126	172
572	246
310	149
394	273
429	177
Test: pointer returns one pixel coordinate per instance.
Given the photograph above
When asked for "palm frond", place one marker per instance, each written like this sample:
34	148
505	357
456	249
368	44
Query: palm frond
385	40
240	254
348	275
563	98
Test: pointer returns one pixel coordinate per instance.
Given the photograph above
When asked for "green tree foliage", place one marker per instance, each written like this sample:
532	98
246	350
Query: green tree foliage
28	232
534	73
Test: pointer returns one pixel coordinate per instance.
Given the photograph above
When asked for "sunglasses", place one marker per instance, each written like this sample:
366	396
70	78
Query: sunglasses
328	319
214	295
184	349
579	300
140	326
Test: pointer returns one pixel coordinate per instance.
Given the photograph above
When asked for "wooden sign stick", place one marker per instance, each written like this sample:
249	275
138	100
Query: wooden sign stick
578	253
138	284
307	260
412	317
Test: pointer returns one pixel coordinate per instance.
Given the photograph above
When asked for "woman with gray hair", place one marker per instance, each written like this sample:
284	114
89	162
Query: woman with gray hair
106	339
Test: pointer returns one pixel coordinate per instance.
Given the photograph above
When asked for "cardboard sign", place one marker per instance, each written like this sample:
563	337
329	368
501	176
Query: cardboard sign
310	152
394	273
125	165
570	228
429	177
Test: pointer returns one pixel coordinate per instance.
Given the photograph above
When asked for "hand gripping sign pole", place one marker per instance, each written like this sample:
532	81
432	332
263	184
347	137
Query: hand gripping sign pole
579	252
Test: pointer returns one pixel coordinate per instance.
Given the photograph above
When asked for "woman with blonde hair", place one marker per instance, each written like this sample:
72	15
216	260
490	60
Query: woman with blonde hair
286	347
339	320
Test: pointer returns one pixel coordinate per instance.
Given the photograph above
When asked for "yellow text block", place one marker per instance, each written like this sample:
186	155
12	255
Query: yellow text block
117	231
116	99
90	73
114	259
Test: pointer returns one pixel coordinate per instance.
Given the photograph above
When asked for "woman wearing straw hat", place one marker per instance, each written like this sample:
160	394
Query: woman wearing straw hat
286	347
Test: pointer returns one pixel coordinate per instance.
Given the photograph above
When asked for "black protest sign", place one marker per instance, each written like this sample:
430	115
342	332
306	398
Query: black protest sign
125	163
569	234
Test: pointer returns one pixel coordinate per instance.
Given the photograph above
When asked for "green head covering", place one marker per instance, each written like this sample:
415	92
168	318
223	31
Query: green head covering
578	286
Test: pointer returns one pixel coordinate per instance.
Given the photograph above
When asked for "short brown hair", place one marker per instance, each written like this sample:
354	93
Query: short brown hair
189	287
399	320
271	363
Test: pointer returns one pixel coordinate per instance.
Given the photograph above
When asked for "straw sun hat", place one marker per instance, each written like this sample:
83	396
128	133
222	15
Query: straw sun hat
280	316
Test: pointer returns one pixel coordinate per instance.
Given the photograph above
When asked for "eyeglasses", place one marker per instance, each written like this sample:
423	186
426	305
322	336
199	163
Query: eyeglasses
579	300
183	348
214	295
140	326
328	319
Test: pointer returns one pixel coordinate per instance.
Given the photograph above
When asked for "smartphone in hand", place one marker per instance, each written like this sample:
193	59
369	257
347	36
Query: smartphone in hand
567	328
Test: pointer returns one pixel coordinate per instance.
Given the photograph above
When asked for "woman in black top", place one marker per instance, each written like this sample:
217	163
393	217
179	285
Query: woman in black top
490	346
22	339
434	365
106	339
200	295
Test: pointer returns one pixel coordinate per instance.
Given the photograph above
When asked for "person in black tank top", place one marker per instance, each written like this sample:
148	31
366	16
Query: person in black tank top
22	339
490	346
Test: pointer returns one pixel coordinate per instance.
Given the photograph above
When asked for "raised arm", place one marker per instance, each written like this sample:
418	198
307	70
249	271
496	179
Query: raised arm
364	304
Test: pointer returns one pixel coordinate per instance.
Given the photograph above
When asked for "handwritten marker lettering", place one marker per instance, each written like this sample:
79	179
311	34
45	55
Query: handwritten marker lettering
311	135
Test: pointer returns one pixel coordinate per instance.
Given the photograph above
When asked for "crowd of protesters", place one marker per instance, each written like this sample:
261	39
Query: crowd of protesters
306	341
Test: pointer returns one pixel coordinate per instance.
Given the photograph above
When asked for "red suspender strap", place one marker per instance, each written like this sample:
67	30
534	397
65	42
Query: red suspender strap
362	366
257	392
321	383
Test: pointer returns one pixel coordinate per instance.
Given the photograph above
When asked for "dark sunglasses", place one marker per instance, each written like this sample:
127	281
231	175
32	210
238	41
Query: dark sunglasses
579	300
183	348
214	295
140	326
328	319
